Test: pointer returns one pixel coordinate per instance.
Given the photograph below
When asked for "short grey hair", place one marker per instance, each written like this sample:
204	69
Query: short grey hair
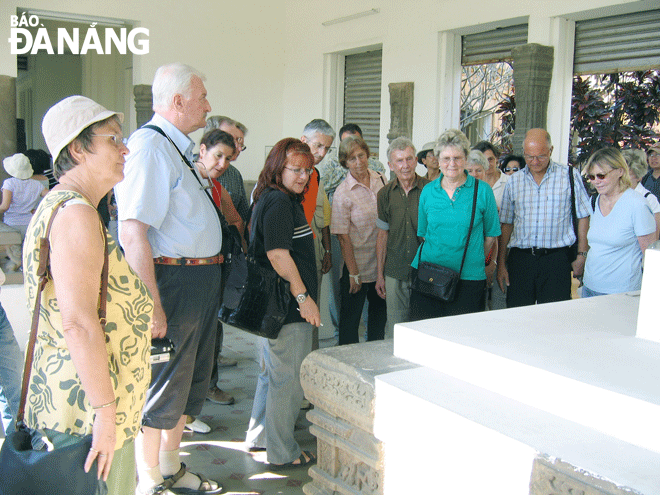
318	126
636	160
215	121
171	80
476	156
401	143
452	138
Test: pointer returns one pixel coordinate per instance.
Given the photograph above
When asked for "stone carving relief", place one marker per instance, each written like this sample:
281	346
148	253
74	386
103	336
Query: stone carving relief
561	478
401	110
338	387
359	475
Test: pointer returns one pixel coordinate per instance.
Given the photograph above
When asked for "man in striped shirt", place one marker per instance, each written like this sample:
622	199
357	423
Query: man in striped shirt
537	227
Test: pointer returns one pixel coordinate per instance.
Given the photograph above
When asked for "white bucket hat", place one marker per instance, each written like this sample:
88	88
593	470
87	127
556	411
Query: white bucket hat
18	166
66	119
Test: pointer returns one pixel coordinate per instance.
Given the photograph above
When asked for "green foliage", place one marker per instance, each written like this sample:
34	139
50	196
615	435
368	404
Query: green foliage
619	110
503	137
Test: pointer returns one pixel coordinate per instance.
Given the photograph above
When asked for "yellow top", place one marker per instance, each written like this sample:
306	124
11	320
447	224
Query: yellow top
56	399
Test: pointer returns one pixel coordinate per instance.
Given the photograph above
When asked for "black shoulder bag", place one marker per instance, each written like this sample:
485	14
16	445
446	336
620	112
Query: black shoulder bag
41	472
256	299
438	281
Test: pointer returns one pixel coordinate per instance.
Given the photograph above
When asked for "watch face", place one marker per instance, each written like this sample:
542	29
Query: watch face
301	298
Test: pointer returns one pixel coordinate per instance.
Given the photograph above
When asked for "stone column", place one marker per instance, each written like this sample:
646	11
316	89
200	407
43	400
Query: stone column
143	103
532	73
7	117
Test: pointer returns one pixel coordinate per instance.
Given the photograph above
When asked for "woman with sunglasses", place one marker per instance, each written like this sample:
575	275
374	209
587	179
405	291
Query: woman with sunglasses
621	228
512	163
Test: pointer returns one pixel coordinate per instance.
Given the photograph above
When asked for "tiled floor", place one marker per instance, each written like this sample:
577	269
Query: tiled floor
220	454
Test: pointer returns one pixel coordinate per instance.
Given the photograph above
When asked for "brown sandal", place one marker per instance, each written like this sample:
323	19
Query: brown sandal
305	459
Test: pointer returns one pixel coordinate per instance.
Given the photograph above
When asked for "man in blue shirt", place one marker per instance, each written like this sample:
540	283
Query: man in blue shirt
172	238
537	227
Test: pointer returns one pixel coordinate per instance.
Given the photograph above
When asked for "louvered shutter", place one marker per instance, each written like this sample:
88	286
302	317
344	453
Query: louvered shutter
492	46
618	43
362	86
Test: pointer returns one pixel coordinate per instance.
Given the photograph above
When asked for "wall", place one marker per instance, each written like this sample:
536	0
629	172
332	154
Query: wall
421	41
238	45
272	65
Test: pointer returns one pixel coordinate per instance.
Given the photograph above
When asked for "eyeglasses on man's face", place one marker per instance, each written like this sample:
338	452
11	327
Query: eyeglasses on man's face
533	158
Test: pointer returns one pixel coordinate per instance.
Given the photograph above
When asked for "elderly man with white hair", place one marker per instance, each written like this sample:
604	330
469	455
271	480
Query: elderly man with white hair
397	240
172	237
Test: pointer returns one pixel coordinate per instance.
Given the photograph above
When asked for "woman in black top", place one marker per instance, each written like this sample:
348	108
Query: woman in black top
284	241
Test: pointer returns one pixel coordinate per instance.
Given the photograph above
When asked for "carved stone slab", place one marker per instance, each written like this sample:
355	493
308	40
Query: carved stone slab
340	383
556	477
401	110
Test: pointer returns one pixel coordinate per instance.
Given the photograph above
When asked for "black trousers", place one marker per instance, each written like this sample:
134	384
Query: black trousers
538	279
351	311
469	299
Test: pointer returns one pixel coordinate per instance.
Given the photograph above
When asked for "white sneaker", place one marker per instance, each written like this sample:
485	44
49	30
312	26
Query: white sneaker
197	426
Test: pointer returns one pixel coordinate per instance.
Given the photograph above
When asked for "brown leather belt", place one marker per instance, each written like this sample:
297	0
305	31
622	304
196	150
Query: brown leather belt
213	260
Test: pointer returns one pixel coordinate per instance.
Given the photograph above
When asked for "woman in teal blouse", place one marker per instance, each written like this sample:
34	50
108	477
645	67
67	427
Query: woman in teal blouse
445	208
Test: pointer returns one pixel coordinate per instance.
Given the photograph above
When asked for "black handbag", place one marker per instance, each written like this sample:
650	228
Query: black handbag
438	281
24	470
255	298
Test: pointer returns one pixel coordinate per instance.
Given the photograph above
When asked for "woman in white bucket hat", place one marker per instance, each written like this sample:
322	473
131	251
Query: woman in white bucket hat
104	367
20	196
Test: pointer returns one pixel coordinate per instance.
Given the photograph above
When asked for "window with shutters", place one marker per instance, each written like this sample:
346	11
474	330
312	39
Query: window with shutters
362	88
487	83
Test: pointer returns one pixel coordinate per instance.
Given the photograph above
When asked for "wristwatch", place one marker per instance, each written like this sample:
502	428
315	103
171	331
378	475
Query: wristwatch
301	298
583	253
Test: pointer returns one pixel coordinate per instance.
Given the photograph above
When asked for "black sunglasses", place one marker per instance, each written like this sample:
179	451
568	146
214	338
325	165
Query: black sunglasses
592	178
511	169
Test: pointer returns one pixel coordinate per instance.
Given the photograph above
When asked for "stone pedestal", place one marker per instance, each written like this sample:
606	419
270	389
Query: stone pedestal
143	103
340	383
532	72
557	399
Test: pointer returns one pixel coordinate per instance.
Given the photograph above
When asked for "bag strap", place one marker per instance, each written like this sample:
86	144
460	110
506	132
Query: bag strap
573	211
467	242
192	169
42	273
474	210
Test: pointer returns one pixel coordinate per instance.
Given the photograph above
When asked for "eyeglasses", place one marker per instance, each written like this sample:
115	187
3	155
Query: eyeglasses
653	155
300	171
531	158
592	178
511	169
116	139
446	160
